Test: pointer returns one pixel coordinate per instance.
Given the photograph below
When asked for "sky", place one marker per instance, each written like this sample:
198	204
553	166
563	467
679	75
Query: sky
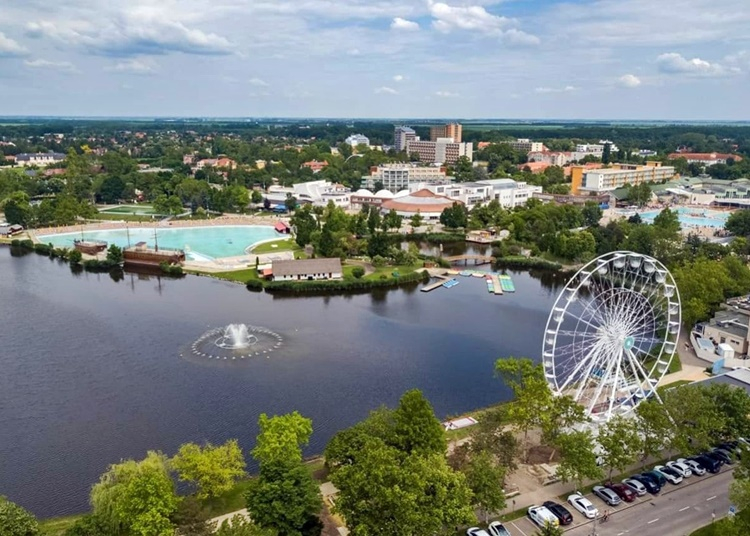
564	59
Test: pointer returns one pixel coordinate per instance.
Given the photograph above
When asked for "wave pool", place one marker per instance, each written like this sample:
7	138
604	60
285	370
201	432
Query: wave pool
199	243
693	217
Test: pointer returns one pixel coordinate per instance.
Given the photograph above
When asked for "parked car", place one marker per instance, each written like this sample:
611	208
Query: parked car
607	495
651	483
683	469
724	455
695	467
559	511
657	476
623	492
497	529
635	486
476	531
583	505
709	463
542	516
672	476
731	446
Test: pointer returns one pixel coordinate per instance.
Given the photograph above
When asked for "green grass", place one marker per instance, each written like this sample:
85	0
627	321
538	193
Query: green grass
239	276
719	528
57	526
122	217
138	210
283	244
231	501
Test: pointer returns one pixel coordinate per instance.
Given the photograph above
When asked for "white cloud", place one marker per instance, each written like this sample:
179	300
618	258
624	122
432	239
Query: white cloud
404	25
135	66
50	65
446	94
386	90
565	89
674	63
398	78
257	82
10	48
478	19
629	80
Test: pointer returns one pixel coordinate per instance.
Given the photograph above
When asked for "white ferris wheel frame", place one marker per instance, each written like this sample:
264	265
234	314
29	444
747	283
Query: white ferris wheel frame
616	328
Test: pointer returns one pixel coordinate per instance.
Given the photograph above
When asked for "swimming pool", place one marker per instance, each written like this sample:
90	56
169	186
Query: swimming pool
693	217
199	243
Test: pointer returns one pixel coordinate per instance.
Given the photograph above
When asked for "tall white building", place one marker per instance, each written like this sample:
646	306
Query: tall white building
403	135
39	159
510	193
357	139
442	151
470	194
524	145
397	177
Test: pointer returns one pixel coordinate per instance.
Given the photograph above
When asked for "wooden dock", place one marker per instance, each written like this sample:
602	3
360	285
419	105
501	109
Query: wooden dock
496	286
477	259
432	286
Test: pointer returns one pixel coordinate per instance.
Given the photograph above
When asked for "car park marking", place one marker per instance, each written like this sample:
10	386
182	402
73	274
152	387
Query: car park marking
653	521
686	508
519	530
711	498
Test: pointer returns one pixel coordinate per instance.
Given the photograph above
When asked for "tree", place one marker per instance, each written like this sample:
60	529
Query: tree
290	203
654	429
16	521
75	257
697	422
577	457
241	526
214	469
455	216
373	220
416	428
563	413
378	245
532	396
281	437
667	224
416	220
17	209
392	220
114	254
326	246
358	272
304	224
618	439
284	497
739	494
738	223
89	525
111	189
734	405
137	497
191	518
486	478
256	197
344	447
607	153
591	214
385	493
640	194
550	530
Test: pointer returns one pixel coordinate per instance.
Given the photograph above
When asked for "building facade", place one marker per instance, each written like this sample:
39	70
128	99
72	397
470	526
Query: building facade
607	179
397	177
525	145
402	136
470	194
451	130
706	159
357	139
442	151
306	269
510	193
39	159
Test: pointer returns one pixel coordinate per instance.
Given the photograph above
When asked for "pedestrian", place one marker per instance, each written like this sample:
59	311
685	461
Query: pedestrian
713	516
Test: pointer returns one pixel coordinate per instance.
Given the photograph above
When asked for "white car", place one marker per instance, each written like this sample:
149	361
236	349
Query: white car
476	531
542	516
682	468
637	488
695	467
497	529
672	476
583	505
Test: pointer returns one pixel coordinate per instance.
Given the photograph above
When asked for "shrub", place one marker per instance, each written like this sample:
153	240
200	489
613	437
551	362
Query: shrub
346	285
527	262
43	249
171	269
358	272
75	256
255	285
378	261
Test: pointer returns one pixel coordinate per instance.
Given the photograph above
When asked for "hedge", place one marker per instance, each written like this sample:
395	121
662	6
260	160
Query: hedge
527	262
434	237
343	285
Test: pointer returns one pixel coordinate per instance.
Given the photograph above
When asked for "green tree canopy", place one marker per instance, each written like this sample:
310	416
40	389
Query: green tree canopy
16	521
738	223
213	469
416	428
281	437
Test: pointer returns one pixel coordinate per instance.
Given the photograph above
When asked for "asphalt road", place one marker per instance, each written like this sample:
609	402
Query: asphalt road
679	511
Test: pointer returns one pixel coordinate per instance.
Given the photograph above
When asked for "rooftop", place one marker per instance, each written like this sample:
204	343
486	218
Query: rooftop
306	266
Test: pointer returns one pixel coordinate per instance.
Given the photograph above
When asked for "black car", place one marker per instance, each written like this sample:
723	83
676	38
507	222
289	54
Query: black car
651	484
657	477
711	465
726	456
713	456
559	511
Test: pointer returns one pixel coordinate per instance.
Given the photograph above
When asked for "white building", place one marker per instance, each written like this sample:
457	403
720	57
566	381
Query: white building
442	151
525	145
39	159
357	139
317	193
402	135
306	269
602	180
470	194
397	177
553	158
510	193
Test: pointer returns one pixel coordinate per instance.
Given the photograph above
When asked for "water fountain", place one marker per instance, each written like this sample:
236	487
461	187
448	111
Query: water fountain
236	341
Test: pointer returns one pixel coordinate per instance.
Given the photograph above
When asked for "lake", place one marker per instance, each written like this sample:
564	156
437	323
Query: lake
92	372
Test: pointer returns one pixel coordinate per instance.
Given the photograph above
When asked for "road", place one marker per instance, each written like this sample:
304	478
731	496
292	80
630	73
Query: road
678	512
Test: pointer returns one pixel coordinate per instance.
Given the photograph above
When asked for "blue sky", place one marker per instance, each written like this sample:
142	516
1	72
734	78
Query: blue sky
630	59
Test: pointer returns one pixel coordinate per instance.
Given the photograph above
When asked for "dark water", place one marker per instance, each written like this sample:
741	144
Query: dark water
90	368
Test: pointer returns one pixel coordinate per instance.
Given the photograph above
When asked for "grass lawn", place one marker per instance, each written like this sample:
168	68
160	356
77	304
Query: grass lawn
109	216
231	501
57	526
140	210
714	529
240	276
283	244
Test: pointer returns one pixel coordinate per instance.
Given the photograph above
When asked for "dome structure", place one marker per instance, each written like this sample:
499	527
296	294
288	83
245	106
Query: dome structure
424	202
384	194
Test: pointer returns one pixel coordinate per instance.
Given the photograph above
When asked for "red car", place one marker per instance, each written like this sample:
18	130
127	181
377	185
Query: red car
624	492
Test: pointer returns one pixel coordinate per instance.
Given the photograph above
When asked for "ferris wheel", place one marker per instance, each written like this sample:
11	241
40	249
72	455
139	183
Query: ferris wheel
612	333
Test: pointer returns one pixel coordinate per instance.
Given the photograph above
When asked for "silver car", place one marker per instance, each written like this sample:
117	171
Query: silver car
607	495
635	486
695	467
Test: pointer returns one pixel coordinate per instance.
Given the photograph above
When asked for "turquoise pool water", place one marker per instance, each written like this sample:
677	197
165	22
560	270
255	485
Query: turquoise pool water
199	243
693	217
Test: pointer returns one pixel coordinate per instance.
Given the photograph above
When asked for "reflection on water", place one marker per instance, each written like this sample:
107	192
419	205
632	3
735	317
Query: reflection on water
92	372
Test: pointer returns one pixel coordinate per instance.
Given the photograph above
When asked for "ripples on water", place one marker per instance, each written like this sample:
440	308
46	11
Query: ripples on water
91	371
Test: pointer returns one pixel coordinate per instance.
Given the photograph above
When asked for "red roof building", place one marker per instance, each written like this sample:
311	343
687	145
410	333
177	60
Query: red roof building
282	227
315	165
707	159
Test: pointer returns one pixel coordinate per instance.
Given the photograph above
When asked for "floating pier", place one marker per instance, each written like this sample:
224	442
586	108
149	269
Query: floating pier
507	283
497	286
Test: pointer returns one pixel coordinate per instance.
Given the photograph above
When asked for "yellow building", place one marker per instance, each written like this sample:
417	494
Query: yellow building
616	176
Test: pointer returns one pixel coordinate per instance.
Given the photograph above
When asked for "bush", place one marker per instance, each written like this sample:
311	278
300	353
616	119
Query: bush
75	257
95	265
527	262
43	249
171	269
345	285
378	261
255	285
358	272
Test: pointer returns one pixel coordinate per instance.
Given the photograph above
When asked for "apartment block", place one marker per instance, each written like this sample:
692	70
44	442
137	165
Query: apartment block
403	135
442	151
397	177
607	179
451	130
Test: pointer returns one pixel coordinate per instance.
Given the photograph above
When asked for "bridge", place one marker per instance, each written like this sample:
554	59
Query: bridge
478	259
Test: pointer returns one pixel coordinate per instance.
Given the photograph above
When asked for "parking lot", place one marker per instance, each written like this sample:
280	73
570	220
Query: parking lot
684	501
